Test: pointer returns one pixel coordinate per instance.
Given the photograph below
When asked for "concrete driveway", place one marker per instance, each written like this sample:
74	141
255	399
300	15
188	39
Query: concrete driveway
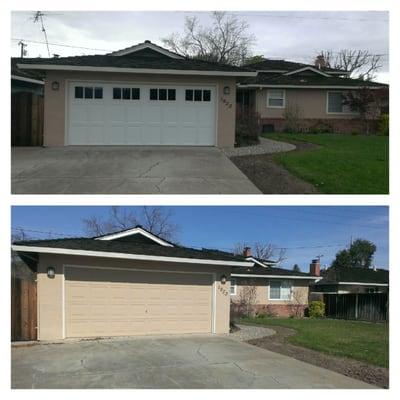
126	170
191	362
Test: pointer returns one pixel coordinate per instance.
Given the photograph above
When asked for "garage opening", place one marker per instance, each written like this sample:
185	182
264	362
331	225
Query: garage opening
122	302
137	114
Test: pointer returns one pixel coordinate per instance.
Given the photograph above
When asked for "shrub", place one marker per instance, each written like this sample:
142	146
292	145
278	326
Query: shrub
293	119
316	309
383	125
321	127
248	127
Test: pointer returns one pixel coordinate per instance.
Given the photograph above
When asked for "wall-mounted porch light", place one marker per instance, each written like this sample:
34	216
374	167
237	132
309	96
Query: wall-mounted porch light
51	272
223	279
227	90
55	85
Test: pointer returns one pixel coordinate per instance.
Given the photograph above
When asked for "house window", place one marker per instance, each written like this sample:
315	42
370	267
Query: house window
197	95
280	290
335	103
276	98
233	287
163	94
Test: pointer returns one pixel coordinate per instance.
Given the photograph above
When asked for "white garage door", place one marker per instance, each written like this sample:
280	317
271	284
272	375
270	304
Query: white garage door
109	302
133	114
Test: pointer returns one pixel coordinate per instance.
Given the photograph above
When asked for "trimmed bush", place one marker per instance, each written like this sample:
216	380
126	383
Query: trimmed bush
316	309
383	125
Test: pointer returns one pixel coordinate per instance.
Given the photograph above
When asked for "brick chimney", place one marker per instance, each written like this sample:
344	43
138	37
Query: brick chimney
247	252
320	62
315	267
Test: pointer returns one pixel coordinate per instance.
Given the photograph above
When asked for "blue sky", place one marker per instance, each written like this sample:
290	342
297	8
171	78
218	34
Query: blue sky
304	231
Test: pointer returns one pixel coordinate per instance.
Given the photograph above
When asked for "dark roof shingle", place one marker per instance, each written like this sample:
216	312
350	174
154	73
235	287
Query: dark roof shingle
360	275
270	271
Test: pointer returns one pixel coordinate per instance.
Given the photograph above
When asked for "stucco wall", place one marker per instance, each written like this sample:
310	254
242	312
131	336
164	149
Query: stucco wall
51	291
55	100
311	102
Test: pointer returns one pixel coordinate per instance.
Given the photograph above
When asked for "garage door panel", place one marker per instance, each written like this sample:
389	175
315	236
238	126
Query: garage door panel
121	302
140	122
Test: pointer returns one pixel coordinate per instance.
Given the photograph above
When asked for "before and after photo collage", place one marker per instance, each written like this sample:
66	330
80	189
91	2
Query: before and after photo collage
200	199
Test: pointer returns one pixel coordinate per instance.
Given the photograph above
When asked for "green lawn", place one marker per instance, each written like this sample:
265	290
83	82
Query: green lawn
362	341
345	164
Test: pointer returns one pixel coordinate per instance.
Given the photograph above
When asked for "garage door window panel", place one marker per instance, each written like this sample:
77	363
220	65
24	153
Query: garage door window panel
88	93
135	94
197	95
206	95
171	94
117	93
78	92
126	93
98	92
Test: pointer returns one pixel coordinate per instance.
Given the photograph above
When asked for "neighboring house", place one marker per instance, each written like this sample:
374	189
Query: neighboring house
141	95
25	81
352	280
277	291
128	283
312	95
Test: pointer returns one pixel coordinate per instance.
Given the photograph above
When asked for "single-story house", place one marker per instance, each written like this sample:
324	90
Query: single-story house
25	81
128	283
313	95
273	291
141	95
343	280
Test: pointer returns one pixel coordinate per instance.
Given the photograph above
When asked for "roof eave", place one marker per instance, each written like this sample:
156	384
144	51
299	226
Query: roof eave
128	256
342	87
54	67
274	276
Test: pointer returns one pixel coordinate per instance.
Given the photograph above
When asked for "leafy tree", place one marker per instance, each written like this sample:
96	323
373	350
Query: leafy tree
156	220
226	40
296	268
263	251
359	255
255	59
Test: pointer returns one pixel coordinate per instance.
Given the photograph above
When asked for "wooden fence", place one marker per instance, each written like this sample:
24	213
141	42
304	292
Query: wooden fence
23	309
357	306
26	119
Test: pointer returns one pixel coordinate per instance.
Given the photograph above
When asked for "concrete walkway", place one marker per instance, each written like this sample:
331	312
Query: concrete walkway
126	170
266	146
191	362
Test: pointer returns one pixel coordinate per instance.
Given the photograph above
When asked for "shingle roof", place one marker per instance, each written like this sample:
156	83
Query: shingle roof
270	271
299	80
135	61
361	275
117	246
269	64
23	73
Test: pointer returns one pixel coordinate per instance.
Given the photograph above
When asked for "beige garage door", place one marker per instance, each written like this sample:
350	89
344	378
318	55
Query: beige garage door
109	302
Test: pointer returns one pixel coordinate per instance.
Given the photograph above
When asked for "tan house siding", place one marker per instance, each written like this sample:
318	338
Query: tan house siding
312	104
51	292
262	302
55	100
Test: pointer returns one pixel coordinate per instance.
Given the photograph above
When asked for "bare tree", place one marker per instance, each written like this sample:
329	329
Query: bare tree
226	40
299	299
157	220
359	63
263	251
247	299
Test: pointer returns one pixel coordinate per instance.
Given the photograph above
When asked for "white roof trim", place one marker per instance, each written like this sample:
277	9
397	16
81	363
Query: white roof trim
361	283
259	262
318	71
141	46
278	71
253	85
105	254
135	231
134	70
338	73
275	276
30	80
